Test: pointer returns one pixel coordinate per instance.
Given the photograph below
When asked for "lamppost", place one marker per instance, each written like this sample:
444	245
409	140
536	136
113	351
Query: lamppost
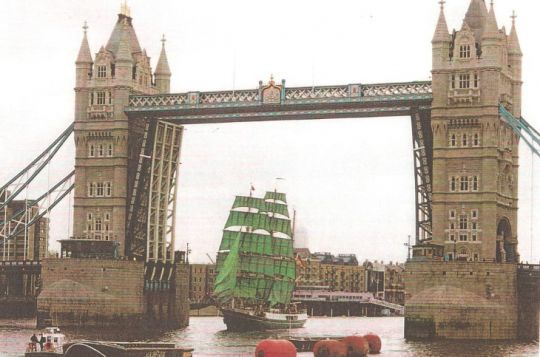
409	247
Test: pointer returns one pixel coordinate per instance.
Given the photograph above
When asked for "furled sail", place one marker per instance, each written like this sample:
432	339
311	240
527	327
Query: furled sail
256	252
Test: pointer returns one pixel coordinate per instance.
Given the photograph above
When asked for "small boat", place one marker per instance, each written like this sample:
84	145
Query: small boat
54	339
256	269
52	345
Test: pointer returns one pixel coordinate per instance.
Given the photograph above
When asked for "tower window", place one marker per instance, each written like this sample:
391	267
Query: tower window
108	189
100	97
89	216
474	214
101	150
476	140
463	237
453	81
463	222
476	80
474	226
464	141
91	150
465	51
452	226
101	71
453	184
453	140
110	150
475	183
99	189
464	81
452	213
91	189
97	224
464	184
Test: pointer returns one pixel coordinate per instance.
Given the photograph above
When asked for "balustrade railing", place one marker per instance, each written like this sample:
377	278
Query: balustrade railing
293	94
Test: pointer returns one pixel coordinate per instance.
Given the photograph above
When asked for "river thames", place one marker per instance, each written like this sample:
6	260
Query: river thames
209	338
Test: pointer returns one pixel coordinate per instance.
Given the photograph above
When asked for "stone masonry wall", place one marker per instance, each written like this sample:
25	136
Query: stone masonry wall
460	300
90	292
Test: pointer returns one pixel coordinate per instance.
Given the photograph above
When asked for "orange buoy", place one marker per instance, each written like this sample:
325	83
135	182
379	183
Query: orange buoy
357	346
330	348
275	348
374	342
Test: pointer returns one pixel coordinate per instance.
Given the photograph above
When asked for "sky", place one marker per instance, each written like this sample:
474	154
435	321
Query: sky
350	180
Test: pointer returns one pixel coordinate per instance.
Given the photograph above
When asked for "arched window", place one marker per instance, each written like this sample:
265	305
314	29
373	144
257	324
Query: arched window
464	141
476	140
91	150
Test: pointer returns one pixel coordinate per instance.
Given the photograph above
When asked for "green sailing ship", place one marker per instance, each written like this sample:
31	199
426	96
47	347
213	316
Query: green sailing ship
256	269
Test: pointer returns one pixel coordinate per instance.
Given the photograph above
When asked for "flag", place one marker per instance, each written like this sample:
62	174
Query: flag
252	188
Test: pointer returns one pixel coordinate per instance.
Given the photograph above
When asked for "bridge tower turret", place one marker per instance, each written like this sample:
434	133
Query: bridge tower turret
475	153
107	144
163	72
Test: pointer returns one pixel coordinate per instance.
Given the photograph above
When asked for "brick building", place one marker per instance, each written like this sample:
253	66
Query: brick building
394	288
31	244
201	282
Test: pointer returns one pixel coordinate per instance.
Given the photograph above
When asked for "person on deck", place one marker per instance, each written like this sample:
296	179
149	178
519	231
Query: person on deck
33	342
41	341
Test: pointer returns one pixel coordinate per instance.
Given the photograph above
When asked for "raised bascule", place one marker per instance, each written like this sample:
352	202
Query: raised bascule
463	281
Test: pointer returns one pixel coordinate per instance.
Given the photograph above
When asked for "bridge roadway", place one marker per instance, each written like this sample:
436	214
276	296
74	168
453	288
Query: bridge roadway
276	102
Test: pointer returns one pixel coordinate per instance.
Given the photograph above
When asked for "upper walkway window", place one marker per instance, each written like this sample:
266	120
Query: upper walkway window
465	51
102	71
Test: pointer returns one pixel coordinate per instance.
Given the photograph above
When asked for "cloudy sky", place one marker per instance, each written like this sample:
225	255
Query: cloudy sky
350	180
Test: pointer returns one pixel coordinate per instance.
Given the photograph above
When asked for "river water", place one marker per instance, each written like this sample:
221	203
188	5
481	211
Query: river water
209	338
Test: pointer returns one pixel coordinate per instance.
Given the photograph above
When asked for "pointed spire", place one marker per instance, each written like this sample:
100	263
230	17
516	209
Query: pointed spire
163	65
441	31
476	17
513	40
492	29
85	56
124	45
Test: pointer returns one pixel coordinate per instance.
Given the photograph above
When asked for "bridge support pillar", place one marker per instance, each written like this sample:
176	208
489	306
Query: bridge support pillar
461	300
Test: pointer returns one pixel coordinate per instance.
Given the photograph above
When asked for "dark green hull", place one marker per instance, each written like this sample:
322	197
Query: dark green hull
238	320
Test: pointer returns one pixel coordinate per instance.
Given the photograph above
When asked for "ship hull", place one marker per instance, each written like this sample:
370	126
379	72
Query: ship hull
238	320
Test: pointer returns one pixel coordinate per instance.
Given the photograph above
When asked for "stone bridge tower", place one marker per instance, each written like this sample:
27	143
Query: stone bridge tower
107	144
475	153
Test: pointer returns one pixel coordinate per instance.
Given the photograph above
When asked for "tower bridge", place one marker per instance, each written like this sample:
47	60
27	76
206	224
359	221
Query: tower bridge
466	126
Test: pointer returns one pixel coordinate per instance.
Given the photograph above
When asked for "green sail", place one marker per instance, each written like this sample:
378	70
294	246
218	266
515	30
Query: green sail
258	243
278	196
225	283
259	221
263	265
261	205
